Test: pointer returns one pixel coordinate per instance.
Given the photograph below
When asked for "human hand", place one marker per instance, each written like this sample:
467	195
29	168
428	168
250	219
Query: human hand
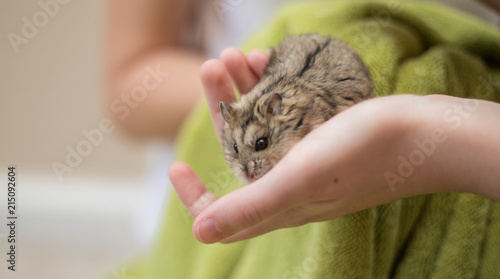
218	75
337	169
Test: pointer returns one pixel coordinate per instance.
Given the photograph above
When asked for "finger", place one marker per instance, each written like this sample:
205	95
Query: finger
257	61
193	194
296	216
242	209
239	70
218	88
288	219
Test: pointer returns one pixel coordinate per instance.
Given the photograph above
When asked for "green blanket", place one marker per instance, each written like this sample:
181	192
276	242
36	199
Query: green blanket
409	48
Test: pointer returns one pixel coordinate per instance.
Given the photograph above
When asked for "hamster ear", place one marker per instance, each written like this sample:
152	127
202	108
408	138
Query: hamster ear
273	104
226	111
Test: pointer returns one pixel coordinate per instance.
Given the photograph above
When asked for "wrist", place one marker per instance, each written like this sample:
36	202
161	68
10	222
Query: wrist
417	147
474	138
442	144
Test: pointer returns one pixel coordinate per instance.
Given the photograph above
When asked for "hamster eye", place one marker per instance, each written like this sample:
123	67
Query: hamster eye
261	144
236	148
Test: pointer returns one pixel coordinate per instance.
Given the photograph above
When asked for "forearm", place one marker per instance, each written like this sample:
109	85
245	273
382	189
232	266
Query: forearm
152	96
474	144
456	148
152	80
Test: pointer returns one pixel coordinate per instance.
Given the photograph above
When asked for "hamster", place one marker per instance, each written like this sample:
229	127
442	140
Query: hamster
309	79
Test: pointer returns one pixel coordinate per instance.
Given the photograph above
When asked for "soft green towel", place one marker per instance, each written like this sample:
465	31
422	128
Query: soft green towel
409	48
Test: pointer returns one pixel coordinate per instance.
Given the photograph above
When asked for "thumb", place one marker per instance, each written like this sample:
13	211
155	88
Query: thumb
242	209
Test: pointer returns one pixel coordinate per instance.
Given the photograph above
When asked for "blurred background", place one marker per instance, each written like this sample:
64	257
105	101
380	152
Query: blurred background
88	197
103	209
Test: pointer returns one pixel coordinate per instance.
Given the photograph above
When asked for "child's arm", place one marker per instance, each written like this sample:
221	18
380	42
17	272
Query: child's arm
152	77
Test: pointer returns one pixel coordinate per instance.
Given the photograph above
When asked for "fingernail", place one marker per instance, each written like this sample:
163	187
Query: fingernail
210	231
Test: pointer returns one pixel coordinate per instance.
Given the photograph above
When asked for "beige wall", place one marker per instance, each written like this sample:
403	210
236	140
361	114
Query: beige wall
52	89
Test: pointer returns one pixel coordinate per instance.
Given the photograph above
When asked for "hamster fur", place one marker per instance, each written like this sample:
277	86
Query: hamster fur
309	79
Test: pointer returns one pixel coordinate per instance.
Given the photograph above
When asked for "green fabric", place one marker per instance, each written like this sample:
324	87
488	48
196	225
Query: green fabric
409	48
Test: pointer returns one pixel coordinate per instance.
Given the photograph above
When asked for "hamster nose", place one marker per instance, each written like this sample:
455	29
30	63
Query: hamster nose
250	170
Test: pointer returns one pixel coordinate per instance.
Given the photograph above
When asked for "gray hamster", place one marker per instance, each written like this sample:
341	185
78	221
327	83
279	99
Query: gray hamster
309	79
